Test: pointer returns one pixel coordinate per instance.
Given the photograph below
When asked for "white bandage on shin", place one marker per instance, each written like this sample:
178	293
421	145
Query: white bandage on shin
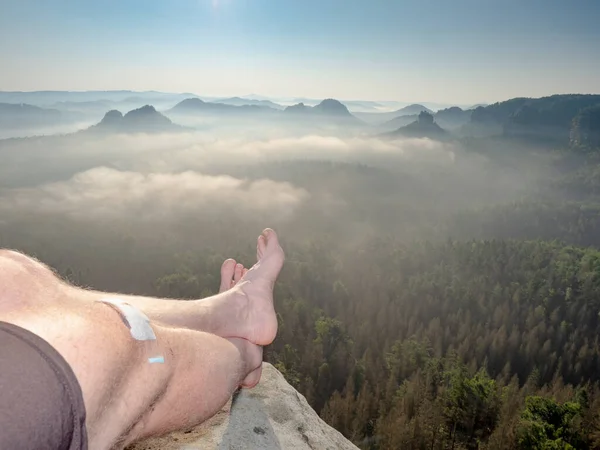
137	322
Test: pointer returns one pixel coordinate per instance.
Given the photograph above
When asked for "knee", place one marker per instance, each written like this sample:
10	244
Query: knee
22	278
13	262
15	255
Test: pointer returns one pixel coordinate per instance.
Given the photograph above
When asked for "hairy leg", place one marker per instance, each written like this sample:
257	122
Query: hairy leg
126	397
244	311
206	371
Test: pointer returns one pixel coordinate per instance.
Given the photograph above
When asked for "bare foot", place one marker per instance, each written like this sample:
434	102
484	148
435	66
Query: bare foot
255	290
231	273
243	308
255	293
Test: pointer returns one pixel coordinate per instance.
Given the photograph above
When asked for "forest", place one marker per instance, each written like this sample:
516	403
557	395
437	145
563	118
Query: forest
435	295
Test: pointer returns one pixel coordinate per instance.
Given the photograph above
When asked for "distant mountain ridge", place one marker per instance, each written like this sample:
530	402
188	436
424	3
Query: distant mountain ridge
546	118
556	119
145	119
196	105
328	107
240	101
329	112
23	109
21	116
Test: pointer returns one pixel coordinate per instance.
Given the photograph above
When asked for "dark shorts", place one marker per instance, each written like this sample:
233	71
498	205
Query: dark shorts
41	404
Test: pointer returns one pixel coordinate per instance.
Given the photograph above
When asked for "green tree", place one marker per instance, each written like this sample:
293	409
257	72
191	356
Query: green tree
546	424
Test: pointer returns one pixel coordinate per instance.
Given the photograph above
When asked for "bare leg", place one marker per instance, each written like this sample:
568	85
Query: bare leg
127	398
208	369
245	310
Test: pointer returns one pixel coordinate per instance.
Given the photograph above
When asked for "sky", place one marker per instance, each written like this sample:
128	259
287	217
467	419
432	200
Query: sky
447	51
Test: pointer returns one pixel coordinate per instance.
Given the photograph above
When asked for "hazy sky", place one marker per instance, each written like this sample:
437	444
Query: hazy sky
454	51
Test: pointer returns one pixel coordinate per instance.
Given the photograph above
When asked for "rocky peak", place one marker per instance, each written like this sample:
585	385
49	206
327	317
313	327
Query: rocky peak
297	108
332	107
425	118
112	117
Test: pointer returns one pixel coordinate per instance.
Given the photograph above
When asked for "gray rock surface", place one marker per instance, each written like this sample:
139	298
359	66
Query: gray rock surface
271	416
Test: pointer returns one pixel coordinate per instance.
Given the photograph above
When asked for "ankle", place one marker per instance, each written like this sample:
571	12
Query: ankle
250	356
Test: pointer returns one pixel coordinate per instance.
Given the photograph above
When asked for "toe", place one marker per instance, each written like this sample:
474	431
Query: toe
237	275
227	273
270	235
261	247
273	256
271	241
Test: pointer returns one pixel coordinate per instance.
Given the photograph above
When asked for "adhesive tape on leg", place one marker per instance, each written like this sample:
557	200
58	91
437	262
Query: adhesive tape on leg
137	322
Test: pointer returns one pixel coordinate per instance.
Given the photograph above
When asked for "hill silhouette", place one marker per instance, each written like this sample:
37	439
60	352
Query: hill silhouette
424	126
415	108
196	106
452	117
145	119
241	101
400	121
381	118
449	118
22	115
546	119
298	108
329	109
